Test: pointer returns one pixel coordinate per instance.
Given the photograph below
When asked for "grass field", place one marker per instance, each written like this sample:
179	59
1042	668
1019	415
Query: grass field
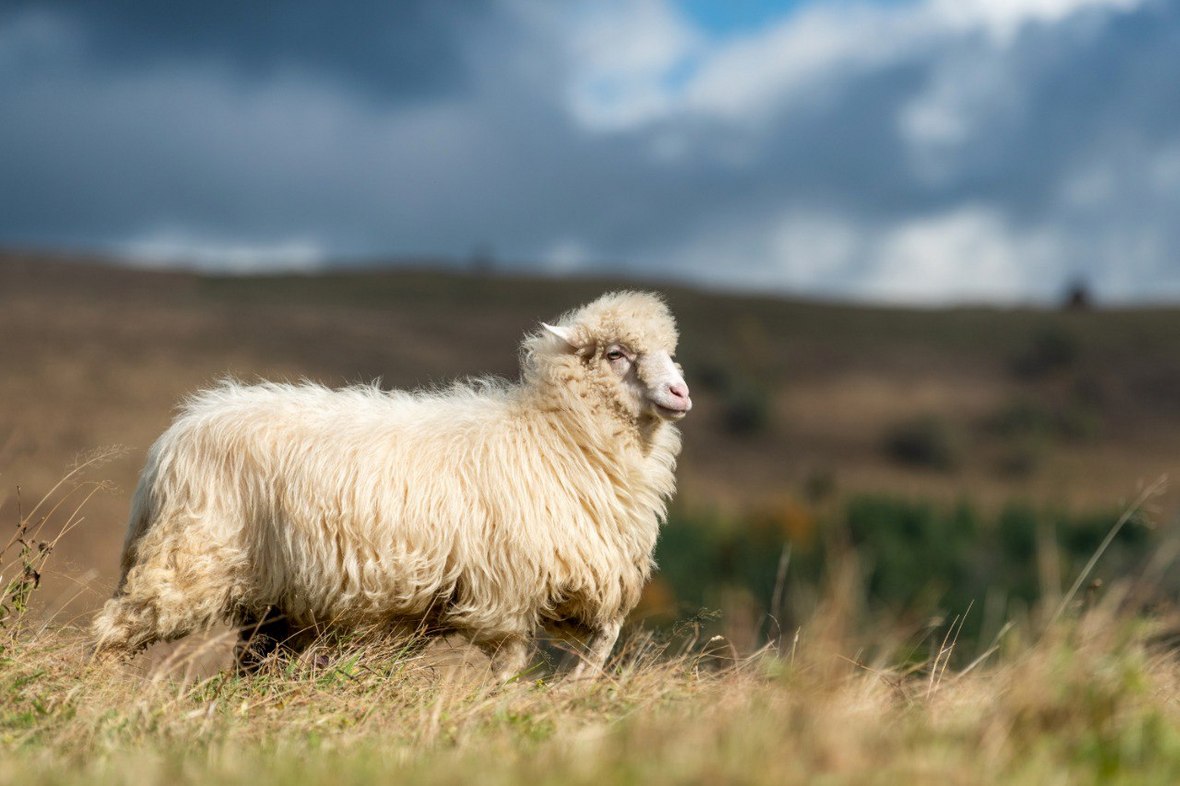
1064	408
1089	701
966	461
1083	692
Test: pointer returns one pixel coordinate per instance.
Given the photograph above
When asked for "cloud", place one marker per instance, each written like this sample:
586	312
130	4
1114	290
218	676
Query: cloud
627	56
404	51
923	151
968	254
1002	20
164	248
743	78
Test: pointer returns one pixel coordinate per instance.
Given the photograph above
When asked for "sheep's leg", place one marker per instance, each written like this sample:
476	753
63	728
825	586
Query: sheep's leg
167	595
131	623
260	638
509	654
598	649
124	627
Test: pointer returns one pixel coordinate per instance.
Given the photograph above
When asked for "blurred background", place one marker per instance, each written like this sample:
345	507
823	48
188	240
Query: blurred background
925	254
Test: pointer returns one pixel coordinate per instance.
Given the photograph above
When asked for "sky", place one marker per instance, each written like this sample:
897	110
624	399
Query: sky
908	151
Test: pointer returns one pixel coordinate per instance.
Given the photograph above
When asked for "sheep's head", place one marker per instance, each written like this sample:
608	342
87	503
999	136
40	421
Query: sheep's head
625	342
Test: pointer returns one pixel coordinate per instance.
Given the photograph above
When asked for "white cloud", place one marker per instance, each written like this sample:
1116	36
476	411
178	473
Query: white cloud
800	249
617	83
965	91
566	256
812	249
1003	19
1129	170
1165	170
636	64
627	55
173	248
38	36
743	79
967	254
1091	187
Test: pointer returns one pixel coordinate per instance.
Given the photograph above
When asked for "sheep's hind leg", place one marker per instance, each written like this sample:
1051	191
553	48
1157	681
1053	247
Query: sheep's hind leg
132	622
598	649
163	598
123	627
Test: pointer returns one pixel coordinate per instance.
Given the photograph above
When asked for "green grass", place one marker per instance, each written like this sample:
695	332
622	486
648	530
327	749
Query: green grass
920	562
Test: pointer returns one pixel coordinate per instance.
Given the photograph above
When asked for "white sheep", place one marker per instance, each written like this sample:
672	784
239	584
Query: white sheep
490	508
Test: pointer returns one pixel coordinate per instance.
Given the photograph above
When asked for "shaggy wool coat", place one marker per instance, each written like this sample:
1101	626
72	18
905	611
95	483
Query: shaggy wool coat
490	508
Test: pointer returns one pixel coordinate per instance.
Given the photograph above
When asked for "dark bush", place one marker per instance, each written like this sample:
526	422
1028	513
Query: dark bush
1025	419
928	442
1077	296
713	377
1051	349
745	404
746	410
918	557
819	485
1022	458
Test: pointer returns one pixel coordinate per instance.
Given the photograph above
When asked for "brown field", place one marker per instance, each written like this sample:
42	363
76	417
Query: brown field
93	356
797	404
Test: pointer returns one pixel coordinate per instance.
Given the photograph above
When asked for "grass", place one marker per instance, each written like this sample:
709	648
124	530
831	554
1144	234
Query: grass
1091	700
1059	409
1088	695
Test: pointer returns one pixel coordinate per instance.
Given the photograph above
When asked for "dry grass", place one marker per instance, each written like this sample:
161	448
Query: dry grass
96	356
1090	697
1088	702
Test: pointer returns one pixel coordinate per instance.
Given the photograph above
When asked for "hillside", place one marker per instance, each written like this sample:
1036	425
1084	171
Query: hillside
795	400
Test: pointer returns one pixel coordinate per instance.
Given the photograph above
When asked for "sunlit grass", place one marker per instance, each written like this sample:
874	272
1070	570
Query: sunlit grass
1088	695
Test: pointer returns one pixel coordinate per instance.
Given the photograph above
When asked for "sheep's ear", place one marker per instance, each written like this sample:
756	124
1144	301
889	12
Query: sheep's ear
564	333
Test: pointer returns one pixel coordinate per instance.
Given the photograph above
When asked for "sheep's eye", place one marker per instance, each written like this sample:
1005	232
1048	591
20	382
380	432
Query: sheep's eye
614	354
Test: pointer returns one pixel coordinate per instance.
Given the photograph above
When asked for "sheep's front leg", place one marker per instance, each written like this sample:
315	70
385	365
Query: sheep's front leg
261	637
509	655
598	649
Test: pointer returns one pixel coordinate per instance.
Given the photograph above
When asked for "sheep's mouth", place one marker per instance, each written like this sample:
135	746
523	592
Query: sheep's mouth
669	413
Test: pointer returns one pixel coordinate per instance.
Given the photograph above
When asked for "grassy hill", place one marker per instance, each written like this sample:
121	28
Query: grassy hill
795	400
934	480
1031	401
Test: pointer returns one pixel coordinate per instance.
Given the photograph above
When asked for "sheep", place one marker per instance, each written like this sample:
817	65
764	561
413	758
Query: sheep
492	509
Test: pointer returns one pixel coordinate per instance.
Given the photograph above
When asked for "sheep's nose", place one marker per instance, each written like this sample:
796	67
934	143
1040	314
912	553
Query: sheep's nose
678	399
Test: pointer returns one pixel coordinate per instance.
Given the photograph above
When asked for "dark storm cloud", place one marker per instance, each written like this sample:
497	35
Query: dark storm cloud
391	50
961	163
